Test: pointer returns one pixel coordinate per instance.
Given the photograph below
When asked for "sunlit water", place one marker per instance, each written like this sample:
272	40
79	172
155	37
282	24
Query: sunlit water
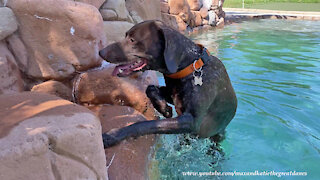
274	66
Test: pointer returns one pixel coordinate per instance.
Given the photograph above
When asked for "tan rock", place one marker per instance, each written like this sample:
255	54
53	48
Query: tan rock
96	3
195	5
197	18
204	13
55	88
10	77
45	137
19	51
164	7
182	9
100	87
60	36
130	156
174	21
178	6
205	22
143	10
8	23
116	30
119	7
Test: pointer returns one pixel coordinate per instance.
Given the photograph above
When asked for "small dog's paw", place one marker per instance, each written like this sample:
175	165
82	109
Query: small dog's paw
109	140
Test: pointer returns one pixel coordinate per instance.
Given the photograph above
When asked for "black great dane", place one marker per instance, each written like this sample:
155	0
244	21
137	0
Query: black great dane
197	84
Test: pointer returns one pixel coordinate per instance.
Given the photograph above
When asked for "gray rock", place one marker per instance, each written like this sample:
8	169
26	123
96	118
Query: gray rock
8	22
212	18
108	14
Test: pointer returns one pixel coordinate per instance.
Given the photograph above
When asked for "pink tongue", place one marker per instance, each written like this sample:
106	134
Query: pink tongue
127	69
117	69
140	67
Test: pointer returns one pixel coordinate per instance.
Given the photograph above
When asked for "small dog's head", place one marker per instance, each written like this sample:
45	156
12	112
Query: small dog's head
149	45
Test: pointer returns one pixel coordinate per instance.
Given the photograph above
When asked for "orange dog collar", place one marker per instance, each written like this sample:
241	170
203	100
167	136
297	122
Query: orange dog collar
195	66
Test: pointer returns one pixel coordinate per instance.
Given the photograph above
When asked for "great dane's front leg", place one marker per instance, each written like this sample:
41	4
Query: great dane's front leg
160	96
181	124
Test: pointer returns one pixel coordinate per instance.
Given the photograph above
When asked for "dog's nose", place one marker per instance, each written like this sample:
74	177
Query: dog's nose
101	54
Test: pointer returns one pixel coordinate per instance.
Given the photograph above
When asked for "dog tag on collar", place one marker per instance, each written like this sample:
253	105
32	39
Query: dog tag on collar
198	80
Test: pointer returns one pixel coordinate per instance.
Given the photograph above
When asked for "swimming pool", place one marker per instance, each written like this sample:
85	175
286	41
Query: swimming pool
274	66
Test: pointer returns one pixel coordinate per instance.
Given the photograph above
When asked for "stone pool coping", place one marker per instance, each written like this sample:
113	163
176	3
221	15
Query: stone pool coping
238	14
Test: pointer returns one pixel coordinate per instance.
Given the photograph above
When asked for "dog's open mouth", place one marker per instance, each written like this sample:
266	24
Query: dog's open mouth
127	69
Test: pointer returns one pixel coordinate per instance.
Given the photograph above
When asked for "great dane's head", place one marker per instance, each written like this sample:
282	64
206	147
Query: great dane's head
149	45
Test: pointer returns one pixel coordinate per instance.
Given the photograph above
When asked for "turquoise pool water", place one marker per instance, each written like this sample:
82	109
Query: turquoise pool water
274	66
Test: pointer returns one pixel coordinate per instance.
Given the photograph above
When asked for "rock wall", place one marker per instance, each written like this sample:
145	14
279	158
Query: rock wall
51	47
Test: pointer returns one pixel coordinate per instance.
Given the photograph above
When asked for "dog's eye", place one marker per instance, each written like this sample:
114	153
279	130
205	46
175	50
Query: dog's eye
131	39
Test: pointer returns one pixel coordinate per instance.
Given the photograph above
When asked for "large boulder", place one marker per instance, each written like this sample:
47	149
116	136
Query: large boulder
143	10
100	87
130	156
10	77
8	23
116	6
116	30
55	88
45	137
96	3
61	36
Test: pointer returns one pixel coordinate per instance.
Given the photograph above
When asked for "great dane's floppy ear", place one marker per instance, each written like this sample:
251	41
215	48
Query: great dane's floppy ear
172	50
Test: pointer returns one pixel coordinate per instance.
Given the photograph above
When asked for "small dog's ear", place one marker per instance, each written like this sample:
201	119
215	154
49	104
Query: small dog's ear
172	50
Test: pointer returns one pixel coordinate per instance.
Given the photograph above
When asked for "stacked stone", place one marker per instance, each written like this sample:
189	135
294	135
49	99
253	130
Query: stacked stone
192	15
